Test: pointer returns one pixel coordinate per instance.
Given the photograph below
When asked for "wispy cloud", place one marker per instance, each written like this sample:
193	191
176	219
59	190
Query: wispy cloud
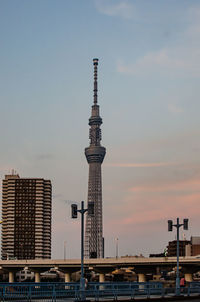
183	187
164	61
122	9
164	212
139	165
159	58
60	197
44	156
173	108
181	58
153	208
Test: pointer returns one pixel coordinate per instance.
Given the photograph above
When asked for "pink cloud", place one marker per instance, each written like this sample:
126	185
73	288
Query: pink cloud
139	165
146	206
161	208
183	186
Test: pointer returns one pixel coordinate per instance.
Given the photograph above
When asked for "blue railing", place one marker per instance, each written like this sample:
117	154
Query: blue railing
98	291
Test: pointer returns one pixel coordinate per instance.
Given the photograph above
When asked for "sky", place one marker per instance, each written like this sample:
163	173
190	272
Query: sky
148	80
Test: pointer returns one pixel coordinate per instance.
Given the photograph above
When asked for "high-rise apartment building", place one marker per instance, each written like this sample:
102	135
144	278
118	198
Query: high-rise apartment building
94	244
26	216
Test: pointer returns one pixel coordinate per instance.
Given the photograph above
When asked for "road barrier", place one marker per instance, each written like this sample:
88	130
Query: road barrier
52	292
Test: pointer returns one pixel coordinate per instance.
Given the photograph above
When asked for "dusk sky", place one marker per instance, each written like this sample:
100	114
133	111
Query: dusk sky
149	97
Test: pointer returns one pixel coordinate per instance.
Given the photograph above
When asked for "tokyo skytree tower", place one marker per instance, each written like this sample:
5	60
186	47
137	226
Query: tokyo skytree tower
94	245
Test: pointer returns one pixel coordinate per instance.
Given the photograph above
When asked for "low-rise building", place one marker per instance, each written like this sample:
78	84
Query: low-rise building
172	247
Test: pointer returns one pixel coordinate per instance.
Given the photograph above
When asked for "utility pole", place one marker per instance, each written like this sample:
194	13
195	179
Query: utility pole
170	229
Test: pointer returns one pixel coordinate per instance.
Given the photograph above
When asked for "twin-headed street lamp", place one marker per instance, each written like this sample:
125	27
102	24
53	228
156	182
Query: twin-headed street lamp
75	212
170	229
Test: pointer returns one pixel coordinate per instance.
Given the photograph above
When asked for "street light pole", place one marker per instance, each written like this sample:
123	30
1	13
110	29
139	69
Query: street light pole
177	253
170	228
82	211
116	247
65	243
82	281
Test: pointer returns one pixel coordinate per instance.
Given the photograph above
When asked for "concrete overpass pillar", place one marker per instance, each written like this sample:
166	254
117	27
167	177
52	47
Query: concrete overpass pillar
188	277
11	277
189	270
37	277
67	277
101	277
141	277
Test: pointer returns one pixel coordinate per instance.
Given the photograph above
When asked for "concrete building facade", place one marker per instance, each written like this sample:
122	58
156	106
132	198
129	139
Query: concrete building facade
26	218
193	248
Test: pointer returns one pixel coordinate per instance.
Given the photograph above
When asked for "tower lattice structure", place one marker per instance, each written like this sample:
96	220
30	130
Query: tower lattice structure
94	245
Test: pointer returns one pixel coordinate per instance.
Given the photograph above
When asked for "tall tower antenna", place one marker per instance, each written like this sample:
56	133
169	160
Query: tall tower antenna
95	62
94	245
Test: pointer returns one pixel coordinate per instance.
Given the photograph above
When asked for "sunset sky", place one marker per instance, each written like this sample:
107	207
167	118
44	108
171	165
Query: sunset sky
149	97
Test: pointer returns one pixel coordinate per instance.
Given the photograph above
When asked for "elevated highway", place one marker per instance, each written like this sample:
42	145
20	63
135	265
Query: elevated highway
140	265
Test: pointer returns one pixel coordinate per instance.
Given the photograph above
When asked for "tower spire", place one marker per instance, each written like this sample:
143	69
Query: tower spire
95	63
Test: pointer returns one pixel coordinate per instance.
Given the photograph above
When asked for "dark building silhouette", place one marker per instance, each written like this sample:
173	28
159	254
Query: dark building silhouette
157	255
26	216
172	246
94	244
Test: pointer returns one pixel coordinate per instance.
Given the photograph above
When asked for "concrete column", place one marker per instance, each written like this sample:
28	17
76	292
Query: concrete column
67	277
11	277
188	277
158	270
141	278
101	277
37	277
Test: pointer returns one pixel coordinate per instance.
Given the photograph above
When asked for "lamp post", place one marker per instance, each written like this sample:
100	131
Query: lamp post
65	243
170	229
75	212
117	247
